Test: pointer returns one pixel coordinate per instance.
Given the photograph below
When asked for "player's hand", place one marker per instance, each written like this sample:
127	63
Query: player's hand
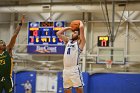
81	24
23	19
68	28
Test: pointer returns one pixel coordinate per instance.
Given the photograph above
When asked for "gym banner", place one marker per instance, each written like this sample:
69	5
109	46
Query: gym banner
43	49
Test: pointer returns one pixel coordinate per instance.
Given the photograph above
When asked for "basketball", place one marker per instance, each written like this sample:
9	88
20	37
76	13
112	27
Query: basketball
75	25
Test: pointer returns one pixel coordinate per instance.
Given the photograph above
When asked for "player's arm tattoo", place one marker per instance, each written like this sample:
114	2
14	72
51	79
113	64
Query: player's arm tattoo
61	36
17	30
64	38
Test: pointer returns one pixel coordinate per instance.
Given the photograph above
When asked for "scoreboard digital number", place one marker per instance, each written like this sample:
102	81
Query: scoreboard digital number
42	37
103	41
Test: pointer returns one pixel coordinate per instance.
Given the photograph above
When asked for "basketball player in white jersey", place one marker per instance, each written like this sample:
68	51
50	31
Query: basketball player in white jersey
71	74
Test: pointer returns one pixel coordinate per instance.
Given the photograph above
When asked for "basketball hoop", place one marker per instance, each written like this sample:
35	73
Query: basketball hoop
108	63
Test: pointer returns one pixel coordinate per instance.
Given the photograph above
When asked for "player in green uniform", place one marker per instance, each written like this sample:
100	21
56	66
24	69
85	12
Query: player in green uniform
6	63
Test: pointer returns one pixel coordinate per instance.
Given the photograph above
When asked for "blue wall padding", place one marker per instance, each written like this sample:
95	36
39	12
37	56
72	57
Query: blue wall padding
21	78
114	83
60	83
107	83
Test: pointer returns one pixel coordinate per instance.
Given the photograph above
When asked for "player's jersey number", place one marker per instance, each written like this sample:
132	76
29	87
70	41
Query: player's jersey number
68	51
2	62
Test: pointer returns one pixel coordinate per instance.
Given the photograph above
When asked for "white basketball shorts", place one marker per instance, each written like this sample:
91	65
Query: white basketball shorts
72	77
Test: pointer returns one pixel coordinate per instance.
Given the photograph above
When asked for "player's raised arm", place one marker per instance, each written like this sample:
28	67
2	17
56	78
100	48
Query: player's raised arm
13	39
82	36
61	36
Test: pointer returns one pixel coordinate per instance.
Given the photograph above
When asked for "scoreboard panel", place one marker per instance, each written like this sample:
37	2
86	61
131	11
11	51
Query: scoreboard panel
103	41
43	34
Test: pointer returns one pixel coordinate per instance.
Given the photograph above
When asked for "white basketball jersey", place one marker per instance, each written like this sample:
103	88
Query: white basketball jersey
72	53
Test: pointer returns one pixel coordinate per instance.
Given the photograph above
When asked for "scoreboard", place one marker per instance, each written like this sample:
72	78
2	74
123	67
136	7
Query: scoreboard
42	37
103	41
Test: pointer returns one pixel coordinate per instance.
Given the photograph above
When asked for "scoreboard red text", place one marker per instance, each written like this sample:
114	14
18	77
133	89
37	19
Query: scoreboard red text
44	33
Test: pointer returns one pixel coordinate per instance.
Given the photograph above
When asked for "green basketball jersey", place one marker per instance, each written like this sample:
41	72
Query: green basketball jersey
5	64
